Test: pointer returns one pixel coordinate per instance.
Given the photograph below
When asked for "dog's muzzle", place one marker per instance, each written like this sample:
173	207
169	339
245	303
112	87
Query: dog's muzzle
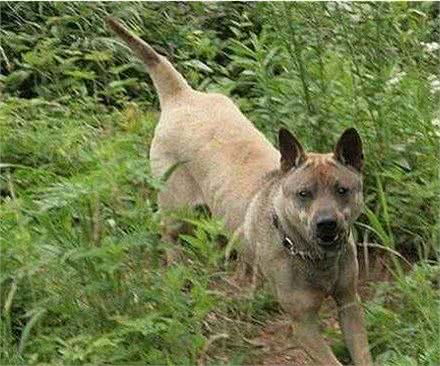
328	233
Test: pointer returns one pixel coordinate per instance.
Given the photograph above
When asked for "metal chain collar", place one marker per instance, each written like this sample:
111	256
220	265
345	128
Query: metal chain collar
290	245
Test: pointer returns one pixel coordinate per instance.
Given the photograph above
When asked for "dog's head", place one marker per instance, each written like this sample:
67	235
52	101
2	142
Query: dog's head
321	193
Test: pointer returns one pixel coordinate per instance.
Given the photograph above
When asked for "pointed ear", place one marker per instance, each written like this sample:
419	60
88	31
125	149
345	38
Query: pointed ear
292	153
348	150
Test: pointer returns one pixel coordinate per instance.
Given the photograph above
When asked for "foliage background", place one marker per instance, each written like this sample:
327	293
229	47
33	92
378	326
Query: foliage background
82	274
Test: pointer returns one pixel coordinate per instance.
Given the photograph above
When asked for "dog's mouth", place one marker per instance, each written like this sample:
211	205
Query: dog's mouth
330	241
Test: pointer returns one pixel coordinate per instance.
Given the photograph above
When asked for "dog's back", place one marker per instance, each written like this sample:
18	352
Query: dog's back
222	156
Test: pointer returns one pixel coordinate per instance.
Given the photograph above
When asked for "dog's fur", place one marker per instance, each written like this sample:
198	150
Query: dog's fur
268	197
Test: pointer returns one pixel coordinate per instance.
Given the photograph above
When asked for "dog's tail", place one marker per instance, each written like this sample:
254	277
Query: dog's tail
167	80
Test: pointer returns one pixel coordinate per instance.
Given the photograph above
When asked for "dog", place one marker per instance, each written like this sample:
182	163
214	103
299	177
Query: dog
293	209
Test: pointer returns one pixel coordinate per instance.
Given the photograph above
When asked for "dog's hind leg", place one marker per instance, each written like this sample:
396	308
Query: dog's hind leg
179	193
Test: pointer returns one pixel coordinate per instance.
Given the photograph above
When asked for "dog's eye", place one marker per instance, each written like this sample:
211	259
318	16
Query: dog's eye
305	193
343	191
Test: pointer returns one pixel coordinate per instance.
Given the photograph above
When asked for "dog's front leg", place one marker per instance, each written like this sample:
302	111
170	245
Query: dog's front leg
351	318
307	333
302	304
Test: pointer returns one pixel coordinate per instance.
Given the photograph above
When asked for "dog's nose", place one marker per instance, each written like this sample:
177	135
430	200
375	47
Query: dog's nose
327	225
327	229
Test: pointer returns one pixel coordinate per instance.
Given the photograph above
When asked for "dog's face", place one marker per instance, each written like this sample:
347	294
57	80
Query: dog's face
322	193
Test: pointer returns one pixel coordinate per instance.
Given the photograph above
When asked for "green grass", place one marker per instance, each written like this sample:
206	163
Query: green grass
83	274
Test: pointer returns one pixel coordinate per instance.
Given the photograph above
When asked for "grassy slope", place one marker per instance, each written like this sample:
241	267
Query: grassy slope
83	277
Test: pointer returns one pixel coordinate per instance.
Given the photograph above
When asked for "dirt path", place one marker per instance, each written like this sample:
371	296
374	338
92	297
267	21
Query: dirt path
278	348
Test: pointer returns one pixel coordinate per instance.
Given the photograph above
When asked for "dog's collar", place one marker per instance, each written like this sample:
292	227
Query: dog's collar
291	246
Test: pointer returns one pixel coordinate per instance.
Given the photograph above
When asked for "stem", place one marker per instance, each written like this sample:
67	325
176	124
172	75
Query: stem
295	55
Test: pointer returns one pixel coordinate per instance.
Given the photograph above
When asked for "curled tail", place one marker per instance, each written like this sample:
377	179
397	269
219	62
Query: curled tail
167	80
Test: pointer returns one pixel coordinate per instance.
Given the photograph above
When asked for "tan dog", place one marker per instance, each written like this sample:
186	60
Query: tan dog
293	210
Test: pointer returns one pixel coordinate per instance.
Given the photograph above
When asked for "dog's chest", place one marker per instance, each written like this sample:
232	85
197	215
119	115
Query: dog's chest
323	275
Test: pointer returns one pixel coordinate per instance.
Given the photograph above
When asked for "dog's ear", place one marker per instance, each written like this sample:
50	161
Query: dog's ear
348	149
292	153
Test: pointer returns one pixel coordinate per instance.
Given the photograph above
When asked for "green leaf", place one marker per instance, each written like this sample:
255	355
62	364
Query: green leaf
81	74
15	78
